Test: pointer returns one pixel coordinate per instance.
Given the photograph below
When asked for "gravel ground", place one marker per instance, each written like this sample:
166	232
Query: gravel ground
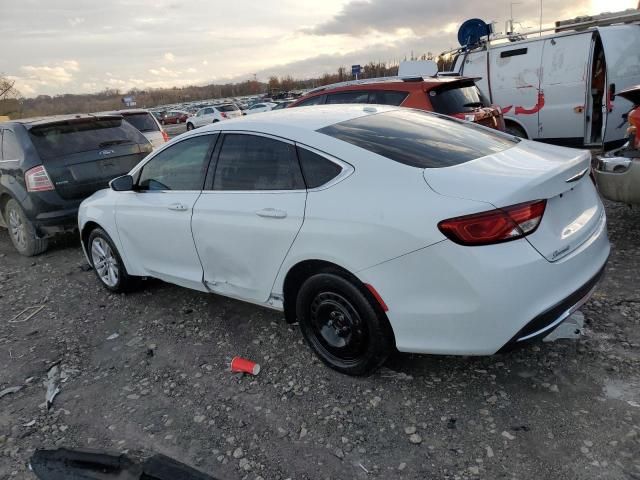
148	372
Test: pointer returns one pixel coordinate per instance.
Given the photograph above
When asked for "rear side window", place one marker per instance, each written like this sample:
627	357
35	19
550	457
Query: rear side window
450	100
317	100
348	97
227	108
251	162
60	139
419	139
10	147
316	169
387	97
182	166
143	121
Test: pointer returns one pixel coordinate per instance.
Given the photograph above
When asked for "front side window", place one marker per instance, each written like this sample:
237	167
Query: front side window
348	97
420	139
10	147
251	162
182	166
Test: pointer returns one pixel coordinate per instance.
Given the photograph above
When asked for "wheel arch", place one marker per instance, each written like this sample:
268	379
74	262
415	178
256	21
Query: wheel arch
518	125
301	271
4	199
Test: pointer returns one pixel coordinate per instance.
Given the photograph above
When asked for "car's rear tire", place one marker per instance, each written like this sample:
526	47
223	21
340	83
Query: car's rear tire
22	232
215	120
342	326
189	126
107	262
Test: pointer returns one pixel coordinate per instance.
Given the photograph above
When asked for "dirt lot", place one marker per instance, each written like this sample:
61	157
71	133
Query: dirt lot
569	410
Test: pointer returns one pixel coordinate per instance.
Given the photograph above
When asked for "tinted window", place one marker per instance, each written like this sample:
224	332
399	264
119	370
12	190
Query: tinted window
249	162
387	97
317	100
227	108
10	147
316	169
182	166
348	97
81	136
454	99
419	139
143	121
257	105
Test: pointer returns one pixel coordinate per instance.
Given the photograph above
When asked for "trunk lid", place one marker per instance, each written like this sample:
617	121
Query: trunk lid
532	171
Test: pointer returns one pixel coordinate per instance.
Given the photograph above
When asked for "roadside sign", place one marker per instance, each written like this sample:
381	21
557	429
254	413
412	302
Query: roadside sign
355	70
129	101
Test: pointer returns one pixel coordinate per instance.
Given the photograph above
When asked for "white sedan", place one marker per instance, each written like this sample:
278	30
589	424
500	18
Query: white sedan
373	227
260	107
213	114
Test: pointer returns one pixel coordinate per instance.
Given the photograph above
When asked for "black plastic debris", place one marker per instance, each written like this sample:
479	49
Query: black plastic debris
67	464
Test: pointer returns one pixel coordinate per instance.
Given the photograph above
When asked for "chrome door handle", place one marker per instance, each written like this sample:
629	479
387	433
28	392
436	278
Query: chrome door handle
271	213
178	207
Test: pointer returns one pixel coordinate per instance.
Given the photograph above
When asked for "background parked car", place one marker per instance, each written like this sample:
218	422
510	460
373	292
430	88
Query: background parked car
49	165
260	107
174	117
283	104
212	114
144	121
454	96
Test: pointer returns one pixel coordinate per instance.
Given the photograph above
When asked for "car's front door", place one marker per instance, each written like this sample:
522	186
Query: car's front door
246	222
154	220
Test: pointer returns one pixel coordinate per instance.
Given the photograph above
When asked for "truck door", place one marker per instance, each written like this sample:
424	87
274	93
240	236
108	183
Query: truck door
565	75
515	83
622	57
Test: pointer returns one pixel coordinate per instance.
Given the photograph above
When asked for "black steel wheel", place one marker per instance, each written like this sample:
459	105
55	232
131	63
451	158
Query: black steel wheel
342	326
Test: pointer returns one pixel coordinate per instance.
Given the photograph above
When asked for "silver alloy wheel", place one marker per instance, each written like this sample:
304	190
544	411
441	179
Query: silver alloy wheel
105	262
18	228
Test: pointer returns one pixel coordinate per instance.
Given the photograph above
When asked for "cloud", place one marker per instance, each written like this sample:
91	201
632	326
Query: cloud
205	62
59	74
165	72
191	70
359	17
75	21
169	57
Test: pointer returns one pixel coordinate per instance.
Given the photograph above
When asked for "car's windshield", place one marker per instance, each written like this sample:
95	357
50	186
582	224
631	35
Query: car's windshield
227	108
453	99
142	121
60	139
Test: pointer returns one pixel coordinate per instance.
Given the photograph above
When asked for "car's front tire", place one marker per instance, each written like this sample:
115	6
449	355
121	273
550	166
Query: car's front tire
107	262
189	126
341	325
22	232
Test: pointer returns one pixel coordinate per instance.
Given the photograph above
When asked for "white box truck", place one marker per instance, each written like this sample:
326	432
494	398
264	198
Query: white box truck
558	85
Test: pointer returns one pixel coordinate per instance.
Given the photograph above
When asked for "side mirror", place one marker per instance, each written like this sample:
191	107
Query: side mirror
122	184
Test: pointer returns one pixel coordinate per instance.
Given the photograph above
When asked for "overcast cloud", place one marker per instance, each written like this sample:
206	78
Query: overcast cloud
72	46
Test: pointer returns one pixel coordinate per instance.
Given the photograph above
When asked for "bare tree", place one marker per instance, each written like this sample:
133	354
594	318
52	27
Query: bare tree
7	89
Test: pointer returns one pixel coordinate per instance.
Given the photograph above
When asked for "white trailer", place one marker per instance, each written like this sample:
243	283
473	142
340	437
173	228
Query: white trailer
559	87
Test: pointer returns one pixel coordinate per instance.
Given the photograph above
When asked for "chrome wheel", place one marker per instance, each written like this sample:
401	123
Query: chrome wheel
18	229
105	262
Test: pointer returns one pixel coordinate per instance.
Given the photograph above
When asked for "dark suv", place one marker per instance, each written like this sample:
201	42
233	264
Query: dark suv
49	165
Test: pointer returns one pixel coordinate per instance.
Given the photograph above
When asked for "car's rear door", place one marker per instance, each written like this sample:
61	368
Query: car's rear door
246	222
154	220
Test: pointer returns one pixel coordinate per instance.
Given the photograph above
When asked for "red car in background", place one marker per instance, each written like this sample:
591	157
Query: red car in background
454	96
173	117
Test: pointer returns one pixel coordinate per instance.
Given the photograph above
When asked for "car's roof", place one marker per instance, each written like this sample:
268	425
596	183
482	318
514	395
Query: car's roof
37	121
126	111
392	83
305	118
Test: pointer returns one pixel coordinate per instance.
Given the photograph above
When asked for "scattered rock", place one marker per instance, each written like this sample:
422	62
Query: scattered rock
508	436
415	439
410	430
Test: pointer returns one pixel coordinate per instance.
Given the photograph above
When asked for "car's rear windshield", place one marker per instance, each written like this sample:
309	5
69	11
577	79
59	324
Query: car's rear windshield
142	121
456	98
227	108
420	139
58	139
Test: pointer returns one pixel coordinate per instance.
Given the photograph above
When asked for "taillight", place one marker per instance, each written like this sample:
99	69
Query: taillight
495	226
165	135
38	180
223	115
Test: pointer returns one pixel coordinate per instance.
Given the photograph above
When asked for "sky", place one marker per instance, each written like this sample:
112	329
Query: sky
82	46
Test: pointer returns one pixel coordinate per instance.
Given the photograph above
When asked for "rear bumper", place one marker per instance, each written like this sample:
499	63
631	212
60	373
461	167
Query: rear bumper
450	299
50	214
617	175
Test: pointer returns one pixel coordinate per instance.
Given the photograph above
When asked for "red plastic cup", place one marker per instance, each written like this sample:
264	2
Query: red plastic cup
239	364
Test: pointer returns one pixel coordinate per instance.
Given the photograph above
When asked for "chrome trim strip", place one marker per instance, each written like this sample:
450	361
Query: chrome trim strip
577	176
